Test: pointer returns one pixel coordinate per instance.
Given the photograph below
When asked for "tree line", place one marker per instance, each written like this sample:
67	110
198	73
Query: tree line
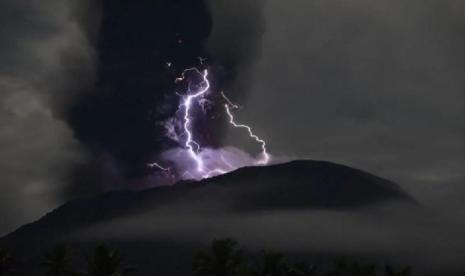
223	258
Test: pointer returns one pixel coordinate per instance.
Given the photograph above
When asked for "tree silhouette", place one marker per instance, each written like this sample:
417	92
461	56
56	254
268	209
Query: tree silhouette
107	262
273	264
340	268
406	271
223	260
362	270
345	268
58	262
302	269
8	263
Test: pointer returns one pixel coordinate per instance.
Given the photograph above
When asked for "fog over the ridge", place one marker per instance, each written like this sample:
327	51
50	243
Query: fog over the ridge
388	233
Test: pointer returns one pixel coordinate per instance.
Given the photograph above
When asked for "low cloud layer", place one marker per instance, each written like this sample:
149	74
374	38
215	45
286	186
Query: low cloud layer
387	233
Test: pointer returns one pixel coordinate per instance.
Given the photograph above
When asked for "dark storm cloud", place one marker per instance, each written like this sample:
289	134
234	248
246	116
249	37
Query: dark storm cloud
373	84
44	57
121	120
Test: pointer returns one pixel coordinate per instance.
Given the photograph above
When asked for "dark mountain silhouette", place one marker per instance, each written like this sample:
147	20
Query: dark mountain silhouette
295	185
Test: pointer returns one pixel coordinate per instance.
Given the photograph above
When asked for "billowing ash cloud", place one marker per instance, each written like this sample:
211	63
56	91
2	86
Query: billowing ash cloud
87	87
46	61
143	47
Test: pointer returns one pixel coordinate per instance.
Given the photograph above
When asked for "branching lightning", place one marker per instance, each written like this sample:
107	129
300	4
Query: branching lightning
202	157
187	103
265	157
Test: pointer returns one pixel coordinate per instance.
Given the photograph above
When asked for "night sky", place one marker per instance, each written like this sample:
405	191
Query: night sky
376	85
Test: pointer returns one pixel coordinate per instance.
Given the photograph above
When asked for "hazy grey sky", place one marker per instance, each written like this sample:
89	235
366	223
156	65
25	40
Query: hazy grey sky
43	52
376	85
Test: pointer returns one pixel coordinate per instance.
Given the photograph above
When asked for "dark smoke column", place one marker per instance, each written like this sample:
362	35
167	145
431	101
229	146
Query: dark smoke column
141	47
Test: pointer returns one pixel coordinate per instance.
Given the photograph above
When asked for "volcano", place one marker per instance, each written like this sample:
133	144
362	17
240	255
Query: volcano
161	227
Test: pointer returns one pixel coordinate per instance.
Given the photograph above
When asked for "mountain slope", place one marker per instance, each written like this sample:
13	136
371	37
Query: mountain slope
297	185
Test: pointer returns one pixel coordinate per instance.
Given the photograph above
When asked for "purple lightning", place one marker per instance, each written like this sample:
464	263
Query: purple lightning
265	156
187	103
208	162
155	164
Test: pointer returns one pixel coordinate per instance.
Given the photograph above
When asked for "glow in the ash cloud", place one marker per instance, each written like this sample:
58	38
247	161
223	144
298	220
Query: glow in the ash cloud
194	161
219	161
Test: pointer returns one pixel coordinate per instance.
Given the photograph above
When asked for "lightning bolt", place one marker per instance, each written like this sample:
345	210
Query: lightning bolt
196	91
235	106
187	103
265	157
156	165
